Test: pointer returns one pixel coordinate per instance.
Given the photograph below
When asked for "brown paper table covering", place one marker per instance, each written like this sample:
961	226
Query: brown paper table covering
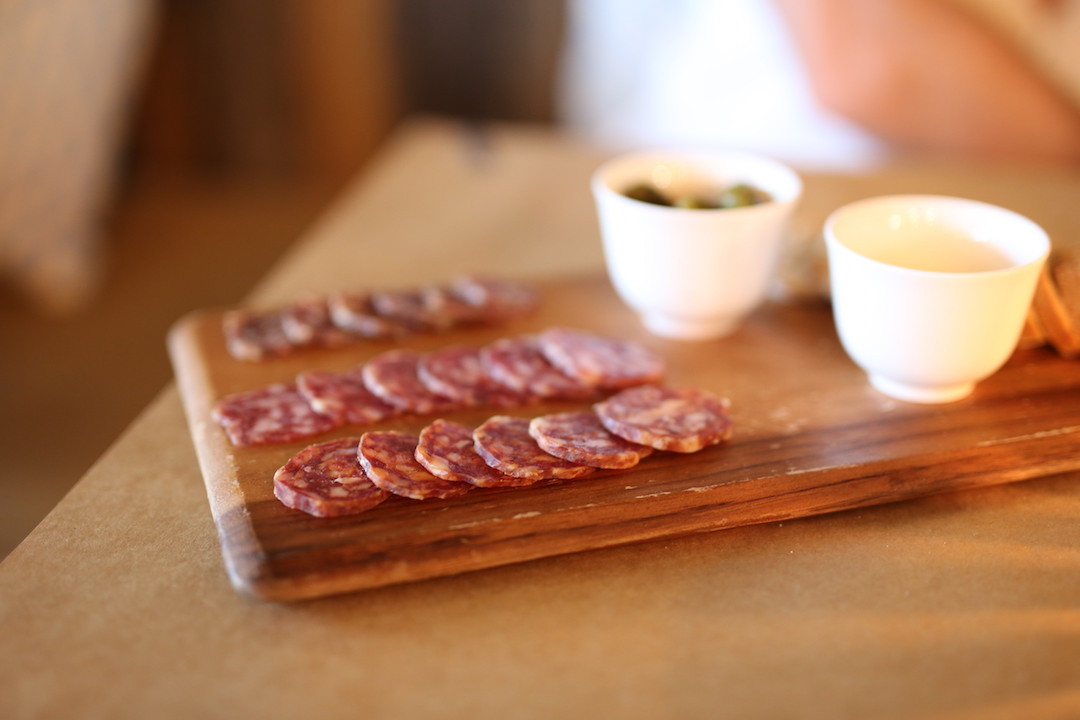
964	605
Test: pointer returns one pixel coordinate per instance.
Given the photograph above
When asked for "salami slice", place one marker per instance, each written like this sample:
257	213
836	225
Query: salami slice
326	480
518	364
580	437
453	310
392	377
353	313
600	361
343	396
505	444
389	459
307	323
409	308
270	415
496	299
457	373
683	420
254	335
446	449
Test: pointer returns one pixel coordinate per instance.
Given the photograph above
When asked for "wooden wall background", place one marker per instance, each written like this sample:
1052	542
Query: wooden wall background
311	87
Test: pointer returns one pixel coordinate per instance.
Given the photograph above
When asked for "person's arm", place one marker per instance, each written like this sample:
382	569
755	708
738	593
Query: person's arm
926	75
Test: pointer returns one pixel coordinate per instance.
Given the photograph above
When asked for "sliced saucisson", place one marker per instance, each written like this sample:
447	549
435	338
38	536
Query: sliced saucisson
505	444
580	437
447	450
270	415
518	364
389	459
326	480
393	377
683	420
343	396
604	362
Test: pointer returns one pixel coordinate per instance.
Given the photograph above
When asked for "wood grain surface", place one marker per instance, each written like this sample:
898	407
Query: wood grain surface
810	437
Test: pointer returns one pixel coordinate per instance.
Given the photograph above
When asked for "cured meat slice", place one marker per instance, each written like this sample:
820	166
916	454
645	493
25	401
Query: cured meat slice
683	420
389	459
454	310
353	313
457	373
601	361
409	308
446	449
580	437
345	316
343	396
392	377
518	364
307	323
253	335
505	444
326	480
496	299
270	415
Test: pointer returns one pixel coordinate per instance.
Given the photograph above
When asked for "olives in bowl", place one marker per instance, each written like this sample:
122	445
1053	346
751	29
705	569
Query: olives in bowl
693	275
732	196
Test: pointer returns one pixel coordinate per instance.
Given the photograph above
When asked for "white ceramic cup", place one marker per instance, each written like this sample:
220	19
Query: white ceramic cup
692	274
930	293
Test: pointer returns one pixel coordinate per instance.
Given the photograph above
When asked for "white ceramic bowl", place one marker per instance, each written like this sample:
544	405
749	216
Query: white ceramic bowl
930	293
689	273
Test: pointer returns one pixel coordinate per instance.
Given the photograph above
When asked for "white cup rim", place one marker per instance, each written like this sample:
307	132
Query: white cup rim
1036	233
783	183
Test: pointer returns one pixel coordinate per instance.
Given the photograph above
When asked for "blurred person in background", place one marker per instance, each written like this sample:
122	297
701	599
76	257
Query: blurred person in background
829	84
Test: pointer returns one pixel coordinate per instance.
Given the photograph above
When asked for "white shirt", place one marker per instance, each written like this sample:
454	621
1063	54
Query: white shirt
724	73
699	73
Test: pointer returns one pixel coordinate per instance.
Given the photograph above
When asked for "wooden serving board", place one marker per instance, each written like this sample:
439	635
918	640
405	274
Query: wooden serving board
810	437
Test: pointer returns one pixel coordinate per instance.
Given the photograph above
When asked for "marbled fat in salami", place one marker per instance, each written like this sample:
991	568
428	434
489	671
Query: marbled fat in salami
307	323
343	396
456	372
353	313
270	415
683	420
251	335
518	364
389	459
580	437
600	361
446	449
393	377
326	480
505	444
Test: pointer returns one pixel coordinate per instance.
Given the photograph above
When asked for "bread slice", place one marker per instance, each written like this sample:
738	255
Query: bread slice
1034	334
1057	301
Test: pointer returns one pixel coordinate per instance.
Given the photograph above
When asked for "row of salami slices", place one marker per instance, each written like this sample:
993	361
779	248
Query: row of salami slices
345	317
558	363
447	459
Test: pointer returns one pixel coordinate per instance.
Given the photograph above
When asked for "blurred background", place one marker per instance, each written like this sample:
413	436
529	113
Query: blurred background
158	156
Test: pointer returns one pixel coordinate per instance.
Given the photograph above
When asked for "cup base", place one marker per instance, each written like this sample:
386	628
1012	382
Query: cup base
921	393
681	328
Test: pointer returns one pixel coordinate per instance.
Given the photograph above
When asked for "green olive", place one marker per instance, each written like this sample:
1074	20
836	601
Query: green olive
694	202
739	195
646	193
742	195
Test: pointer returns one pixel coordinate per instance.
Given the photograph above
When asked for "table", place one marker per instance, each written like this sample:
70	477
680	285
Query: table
956	606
